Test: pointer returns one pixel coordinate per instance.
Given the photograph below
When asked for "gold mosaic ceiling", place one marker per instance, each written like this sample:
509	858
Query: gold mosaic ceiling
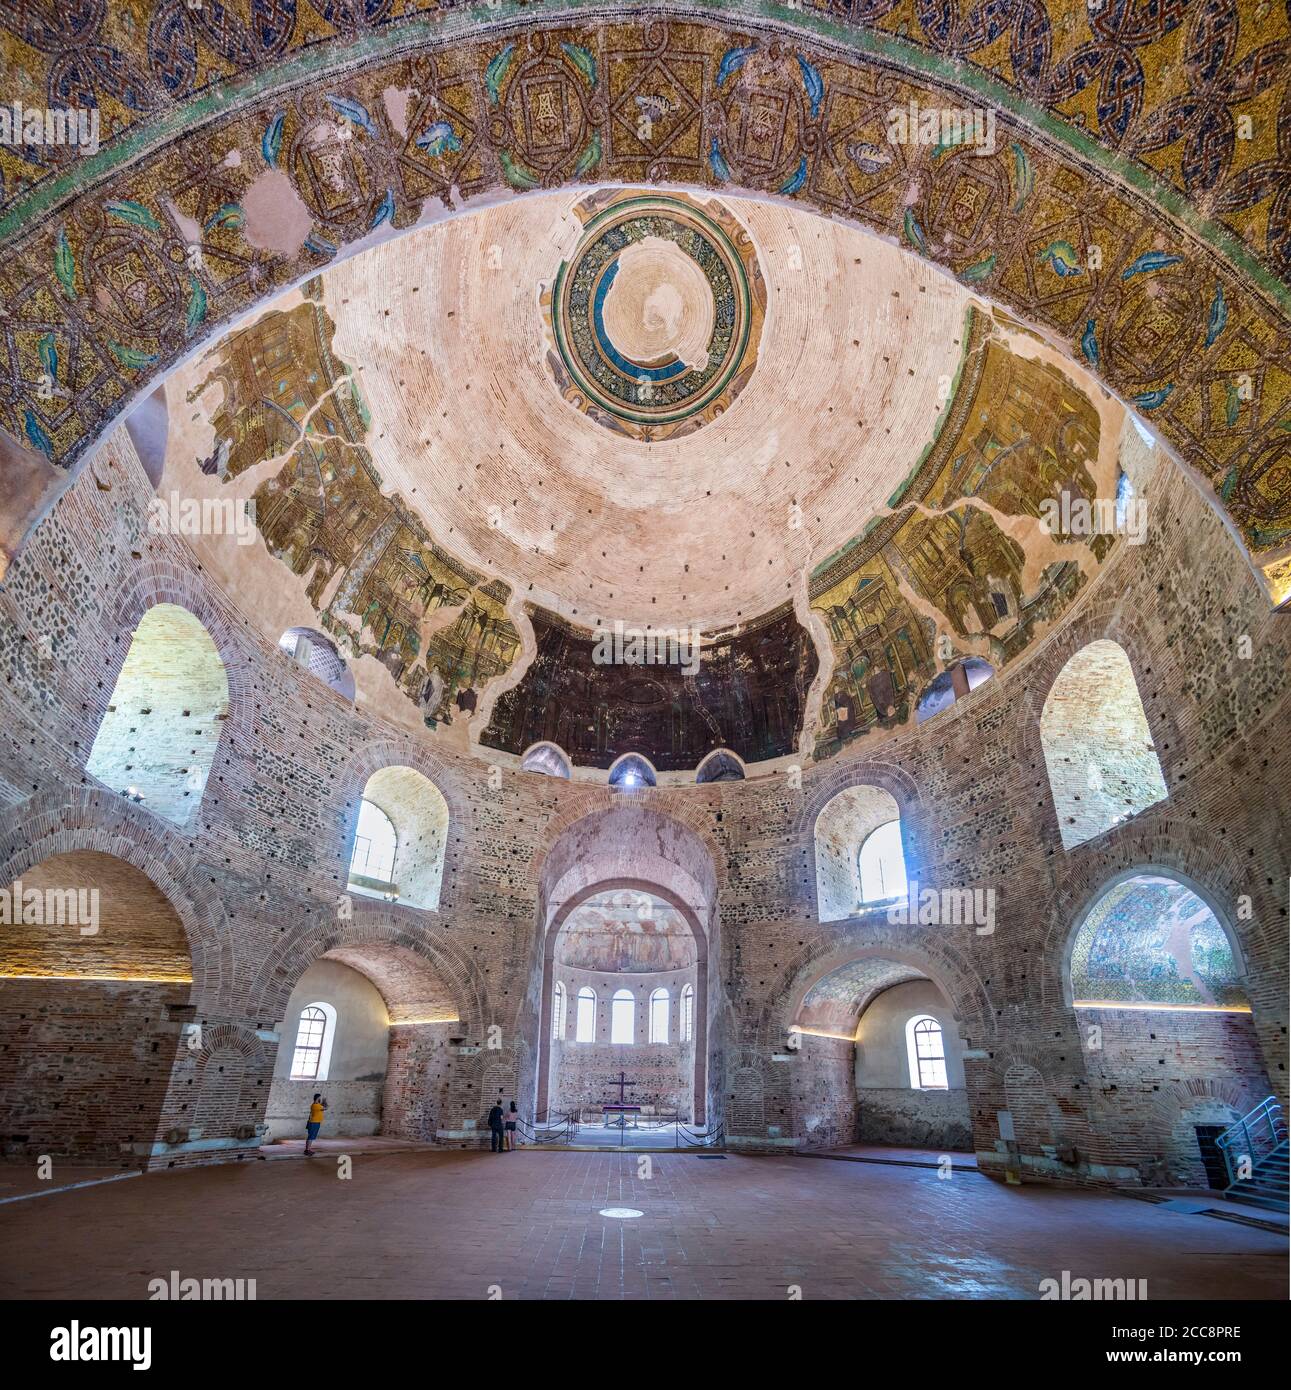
1133	199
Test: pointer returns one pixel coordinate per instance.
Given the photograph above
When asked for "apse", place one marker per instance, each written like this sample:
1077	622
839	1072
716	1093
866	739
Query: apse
623	1005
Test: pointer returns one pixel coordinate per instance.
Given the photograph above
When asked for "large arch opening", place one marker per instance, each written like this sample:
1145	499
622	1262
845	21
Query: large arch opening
877	1059
650	889
629	958
1156	979
90	947
156	742
371	1027
1098	751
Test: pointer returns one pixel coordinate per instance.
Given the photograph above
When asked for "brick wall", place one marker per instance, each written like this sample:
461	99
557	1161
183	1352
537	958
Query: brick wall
255	877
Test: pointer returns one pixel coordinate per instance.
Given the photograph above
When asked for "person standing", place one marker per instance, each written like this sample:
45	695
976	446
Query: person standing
317	1106
495	1128
512	1119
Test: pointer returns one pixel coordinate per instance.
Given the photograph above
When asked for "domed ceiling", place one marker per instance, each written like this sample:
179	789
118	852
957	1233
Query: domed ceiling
625	932
799	469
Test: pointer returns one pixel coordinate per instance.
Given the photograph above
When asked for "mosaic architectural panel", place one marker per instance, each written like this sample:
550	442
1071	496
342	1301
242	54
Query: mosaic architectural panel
1195	94
115	267
1151	940
378	581
686	339
746	692
943	573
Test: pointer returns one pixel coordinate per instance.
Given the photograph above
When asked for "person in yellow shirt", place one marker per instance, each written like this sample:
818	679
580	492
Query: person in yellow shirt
316	1108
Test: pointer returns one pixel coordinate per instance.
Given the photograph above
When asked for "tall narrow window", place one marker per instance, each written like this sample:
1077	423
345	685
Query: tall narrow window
623	1017
558	1012
585	1020
926	1048
313	1052
659	1016
882	865
687	1013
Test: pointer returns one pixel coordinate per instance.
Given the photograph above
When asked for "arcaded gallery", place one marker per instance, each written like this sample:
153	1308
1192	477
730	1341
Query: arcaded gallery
695	595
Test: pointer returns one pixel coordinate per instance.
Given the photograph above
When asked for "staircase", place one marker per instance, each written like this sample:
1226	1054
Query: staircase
1255	1156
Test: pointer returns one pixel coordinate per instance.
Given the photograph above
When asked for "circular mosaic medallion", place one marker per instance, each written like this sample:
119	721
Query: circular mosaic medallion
655	319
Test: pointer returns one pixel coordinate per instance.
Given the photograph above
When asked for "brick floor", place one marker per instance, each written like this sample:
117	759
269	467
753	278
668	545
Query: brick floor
450	1225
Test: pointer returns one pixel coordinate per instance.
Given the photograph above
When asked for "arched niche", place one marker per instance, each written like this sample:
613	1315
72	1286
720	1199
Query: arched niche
1154	973
157	741
851	1077
1098	750
387	1046
90	949
1150	939
416	808
844	826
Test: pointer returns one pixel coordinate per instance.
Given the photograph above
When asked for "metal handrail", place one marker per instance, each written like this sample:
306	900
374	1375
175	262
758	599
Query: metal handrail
1253	1137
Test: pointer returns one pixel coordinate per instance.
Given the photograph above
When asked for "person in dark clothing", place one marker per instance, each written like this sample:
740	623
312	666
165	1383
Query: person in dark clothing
511	1119
496	1131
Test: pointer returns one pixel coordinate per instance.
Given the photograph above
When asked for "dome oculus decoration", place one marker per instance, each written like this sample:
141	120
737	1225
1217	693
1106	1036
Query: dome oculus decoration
656	318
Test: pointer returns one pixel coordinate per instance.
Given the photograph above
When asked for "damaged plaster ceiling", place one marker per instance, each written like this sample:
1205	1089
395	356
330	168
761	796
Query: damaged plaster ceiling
475	448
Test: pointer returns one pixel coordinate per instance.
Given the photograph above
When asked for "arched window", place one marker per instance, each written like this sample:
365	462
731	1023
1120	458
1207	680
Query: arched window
558	1012
375	844
659	1016
585	1020
623	1017
848	876
882	865
317	653
313	1054
687	1013
631	772
418	813
157	740
1098	750
926	1049
721	765
951	685
548	759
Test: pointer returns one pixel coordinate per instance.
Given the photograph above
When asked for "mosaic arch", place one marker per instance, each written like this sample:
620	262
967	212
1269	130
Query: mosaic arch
1132	199
1150	939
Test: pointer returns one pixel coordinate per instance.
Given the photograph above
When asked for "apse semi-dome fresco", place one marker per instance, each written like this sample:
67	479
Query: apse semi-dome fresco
598	599
1151	940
